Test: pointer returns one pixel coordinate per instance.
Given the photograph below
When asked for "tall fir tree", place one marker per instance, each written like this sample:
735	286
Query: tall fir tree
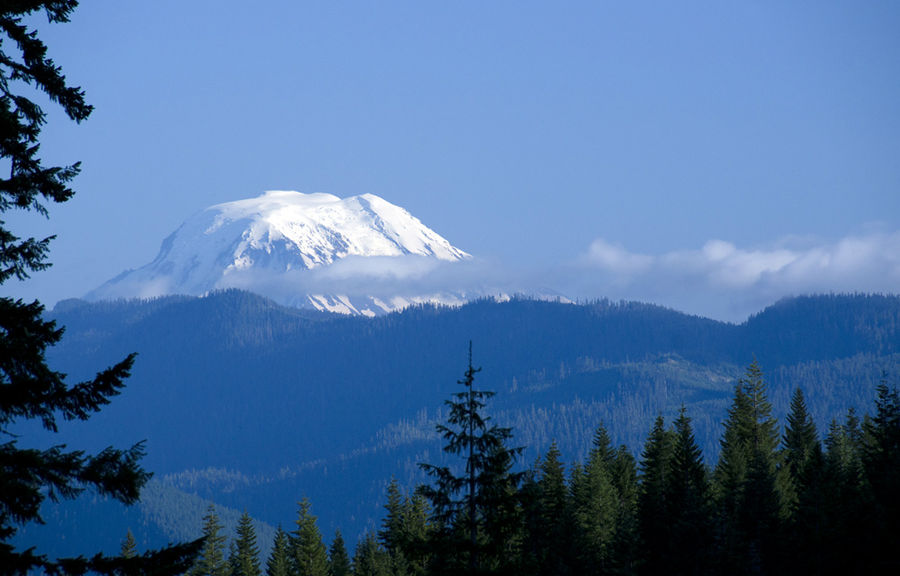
29	388
532	525
844	499
211	561
752	488
880	458
338	559
462	505
804	462
129	546
371	559
653	506
554	530
596	509
279	561
801	446
626	549
308	553
688	504
245	560
405	529
391	533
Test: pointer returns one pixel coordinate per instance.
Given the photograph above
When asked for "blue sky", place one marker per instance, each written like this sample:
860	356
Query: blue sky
711	156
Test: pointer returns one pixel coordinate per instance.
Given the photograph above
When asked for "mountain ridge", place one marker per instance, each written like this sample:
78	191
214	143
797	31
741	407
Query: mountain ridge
331	406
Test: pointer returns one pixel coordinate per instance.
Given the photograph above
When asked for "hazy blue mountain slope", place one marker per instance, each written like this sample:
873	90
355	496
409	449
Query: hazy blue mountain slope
254	405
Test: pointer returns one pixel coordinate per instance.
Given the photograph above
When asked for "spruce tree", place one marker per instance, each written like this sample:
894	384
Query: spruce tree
462	505
532	524
211	561
416	533
338	559
245	560
129	546
308	553
626	549
653	507
392	524
29	388
370	558
553	529
404	529
752	488
802	450
844	499
804	463
279	562
596	507
881	465
688	504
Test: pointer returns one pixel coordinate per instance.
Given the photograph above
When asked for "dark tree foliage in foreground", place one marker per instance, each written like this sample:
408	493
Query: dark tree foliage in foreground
474	512
338	559
29	388
279	562
776	502
211	561
245	559
308	553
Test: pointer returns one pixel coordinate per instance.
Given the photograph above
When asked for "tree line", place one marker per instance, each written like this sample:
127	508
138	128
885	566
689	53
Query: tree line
778	500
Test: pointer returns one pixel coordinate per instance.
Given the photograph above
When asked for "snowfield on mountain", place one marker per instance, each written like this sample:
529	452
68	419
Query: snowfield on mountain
313	250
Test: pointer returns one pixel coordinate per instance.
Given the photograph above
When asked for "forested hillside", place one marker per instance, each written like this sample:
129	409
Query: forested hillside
253	406
777	501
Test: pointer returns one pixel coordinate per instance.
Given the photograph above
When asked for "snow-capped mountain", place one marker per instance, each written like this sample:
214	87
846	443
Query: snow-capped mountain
346	255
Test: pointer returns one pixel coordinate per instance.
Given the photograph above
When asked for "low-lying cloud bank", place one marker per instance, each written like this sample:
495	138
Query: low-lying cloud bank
726	282
382	277
718	280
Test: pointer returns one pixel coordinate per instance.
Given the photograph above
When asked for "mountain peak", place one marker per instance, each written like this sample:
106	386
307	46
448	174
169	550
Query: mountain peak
254	242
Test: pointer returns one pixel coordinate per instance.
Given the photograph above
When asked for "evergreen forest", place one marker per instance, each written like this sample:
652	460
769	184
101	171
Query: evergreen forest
781	498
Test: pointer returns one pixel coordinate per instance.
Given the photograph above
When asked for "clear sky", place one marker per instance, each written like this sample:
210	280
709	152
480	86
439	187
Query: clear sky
712	156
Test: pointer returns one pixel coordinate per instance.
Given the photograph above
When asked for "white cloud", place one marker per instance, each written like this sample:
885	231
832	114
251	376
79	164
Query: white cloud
382	277
615	258
728	282
718	280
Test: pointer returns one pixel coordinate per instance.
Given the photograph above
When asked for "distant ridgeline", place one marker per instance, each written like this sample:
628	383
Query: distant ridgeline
253	406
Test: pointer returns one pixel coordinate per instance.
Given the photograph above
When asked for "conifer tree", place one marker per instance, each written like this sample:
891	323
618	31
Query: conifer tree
653	506
308	553
416	533
279	562
553	529
338	559
802	449
626	549
602	447
688	503
211	561
844	499
751	486
245	560
370	558
804	462
532	524
881	464
129	546
462	504
405	529
29	388
597	509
